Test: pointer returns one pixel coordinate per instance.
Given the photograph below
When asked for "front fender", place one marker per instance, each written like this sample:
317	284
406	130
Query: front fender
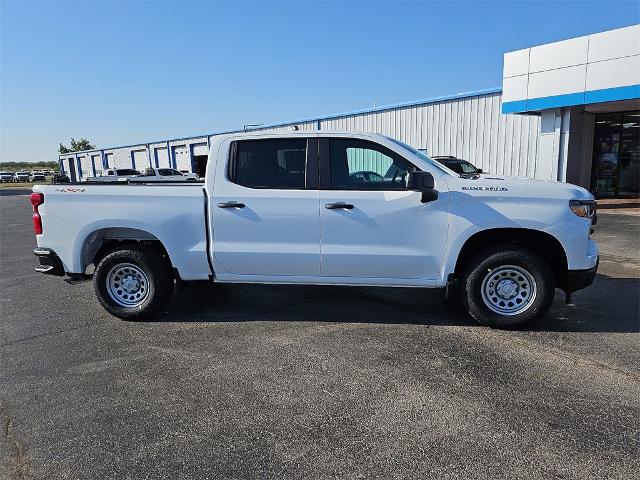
471	214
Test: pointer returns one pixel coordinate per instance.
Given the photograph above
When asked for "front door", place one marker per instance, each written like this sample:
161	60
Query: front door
265	210
372	226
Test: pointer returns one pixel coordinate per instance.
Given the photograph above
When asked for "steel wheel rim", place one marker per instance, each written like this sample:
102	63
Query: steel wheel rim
508	290
127	285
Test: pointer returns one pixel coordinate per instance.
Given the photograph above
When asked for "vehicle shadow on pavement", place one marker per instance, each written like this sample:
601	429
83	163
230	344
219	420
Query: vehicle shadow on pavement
609	305
311	303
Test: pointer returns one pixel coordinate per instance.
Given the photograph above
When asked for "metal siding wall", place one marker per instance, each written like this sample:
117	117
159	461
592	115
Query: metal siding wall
472	128
304	126
120	158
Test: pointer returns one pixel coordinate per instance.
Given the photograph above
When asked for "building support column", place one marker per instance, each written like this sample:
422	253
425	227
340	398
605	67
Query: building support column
149	156
190	152
563	154
172	161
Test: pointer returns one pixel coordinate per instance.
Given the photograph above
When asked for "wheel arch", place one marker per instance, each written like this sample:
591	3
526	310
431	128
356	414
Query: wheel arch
102	240
544	244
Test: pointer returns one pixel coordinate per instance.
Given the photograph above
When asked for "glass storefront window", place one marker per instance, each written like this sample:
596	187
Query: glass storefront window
616	155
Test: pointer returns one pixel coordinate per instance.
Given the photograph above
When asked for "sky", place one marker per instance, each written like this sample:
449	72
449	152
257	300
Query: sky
119	73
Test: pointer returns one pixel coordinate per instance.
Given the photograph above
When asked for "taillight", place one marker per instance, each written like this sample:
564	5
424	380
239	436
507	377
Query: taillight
36	200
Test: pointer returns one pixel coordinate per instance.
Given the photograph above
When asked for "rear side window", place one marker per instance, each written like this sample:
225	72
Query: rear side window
278	163
127	171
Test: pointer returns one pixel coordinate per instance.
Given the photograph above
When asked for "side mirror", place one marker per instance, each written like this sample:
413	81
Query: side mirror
479	170
422	182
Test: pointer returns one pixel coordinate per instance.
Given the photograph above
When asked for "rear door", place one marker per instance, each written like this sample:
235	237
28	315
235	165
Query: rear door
372	226
265	209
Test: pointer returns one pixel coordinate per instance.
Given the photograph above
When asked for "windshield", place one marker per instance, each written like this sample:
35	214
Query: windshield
423	157
127	171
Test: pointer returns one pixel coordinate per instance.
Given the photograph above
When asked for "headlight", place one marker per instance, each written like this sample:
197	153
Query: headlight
583	208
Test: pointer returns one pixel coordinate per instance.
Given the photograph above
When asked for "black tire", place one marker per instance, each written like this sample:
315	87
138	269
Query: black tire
156	269
501	259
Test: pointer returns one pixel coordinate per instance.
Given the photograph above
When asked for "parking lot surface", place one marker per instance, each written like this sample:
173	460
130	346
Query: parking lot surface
242	381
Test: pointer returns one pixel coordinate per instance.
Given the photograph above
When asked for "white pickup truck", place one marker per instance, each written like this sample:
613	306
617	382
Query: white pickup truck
323	208
165	175
112	175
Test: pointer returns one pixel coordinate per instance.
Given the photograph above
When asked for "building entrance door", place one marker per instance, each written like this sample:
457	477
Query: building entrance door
616	155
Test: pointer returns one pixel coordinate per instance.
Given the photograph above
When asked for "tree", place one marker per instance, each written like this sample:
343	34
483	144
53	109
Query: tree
79	146
20	166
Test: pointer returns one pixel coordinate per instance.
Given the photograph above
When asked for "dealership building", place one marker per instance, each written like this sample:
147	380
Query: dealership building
566	111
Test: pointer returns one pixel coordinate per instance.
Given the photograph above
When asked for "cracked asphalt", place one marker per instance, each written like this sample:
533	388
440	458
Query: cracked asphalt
240	381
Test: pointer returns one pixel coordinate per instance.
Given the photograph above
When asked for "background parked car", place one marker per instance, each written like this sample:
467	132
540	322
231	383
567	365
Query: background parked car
37	176
6	177
115	175
21	176
60	178
166	175
458	165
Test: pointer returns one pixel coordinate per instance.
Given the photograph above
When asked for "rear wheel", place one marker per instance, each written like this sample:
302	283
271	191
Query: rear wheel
133	283
507	287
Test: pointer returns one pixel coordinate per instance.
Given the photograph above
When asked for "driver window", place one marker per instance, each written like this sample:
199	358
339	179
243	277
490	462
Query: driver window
363	165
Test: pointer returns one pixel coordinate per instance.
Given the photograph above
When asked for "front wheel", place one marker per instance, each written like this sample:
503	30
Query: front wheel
134	282
508	287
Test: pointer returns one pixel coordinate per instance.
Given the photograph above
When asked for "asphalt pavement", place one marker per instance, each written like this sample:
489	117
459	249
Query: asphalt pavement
242	381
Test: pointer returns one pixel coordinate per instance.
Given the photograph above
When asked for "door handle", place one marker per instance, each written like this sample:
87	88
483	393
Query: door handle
231	205
333	206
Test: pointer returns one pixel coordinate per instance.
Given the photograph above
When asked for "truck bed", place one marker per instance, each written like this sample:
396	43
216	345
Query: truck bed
84	214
